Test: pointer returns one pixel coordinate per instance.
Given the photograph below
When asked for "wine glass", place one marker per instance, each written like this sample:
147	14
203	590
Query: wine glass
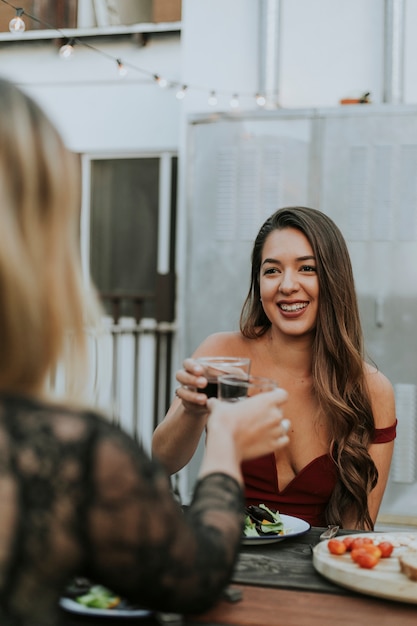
232	388
215	366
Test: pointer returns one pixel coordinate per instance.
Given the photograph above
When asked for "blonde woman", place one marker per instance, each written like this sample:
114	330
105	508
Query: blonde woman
78	496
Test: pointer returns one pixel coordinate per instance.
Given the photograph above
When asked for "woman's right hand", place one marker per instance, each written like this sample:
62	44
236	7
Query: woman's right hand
190	378
176	438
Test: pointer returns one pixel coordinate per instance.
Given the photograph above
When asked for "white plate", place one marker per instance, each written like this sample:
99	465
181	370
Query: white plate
75	607
292	526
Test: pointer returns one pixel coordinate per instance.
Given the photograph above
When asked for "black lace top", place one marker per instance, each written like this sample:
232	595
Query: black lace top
79	497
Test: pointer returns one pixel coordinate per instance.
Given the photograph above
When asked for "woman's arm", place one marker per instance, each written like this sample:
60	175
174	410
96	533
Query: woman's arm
141	544
383	407
176	438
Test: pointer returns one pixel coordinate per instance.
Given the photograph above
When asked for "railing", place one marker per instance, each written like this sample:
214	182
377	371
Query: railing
129	369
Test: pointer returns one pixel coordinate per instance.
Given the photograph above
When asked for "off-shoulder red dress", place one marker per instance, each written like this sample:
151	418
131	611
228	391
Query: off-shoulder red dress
308	494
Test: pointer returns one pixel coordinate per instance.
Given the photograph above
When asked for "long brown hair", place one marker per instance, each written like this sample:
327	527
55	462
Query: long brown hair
43	298
338	355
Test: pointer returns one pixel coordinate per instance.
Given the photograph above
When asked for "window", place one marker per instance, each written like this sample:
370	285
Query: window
125	234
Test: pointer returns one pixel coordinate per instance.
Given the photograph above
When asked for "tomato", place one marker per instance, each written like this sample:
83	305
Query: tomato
366	559
372	549
386	548
354	554
336	546
358	553
358	542
348	542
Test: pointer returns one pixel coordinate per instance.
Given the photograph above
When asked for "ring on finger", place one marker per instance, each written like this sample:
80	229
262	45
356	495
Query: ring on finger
285	425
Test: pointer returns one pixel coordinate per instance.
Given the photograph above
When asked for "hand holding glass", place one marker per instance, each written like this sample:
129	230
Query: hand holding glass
232	388
215	366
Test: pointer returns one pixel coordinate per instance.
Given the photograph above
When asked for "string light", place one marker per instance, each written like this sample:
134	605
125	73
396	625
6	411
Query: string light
121	68
180	95
67	50
17	25
212	100
234	102
161	81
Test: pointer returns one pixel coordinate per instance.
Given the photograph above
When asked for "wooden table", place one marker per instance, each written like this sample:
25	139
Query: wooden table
266	606
280	587
283	589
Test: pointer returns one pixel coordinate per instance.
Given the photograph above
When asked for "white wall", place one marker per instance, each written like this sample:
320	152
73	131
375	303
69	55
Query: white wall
96	109
410	45
329	49
219	51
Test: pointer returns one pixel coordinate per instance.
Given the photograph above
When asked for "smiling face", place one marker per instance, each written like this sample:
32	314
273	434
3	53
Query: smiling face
289	285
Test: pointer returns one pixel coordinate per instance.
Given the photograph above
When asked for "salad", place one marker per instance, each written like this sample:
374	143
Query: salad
99	597
93	596
261	521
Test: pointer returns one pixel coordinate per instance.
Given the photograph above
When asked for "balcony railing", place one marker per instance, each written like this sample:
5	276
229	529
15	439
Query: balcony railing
129	368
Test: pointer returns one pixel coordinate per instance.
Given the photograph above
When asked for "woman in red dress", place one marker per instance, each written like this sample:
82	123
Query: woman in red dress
300	325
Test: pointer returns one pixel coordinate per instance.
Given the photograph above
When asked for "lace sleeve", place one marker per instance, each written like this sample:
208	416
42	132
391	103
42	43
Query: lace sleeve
81	498
143	546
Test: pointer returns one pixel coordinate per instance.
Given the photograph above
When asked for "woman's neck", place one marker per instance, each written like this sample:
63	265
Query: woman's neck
291	354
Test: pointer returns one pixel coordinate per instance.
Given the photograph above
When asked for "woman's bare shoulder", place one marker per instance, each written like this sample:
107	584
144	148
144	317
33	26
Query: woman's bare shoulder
377	381
382	396
227	343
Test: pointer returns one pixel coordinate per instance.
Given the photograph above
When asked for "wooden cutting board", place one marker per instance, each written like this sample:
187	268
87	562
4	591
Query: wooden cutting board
385	580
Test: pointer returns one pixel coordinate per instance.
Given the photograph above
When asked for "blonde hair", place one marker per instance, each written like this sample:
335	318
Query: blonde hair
42	292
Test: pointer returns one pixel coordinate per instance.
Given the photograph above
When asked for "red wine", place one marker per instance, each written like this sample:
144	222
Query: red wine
235	392
211	390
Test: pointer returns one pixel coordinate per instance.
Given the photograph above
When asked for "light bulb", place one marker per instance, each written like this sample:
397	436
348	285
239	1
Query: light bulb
234	102
260	100
212	99
121	68
162	82
66	52
180	95
17	25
